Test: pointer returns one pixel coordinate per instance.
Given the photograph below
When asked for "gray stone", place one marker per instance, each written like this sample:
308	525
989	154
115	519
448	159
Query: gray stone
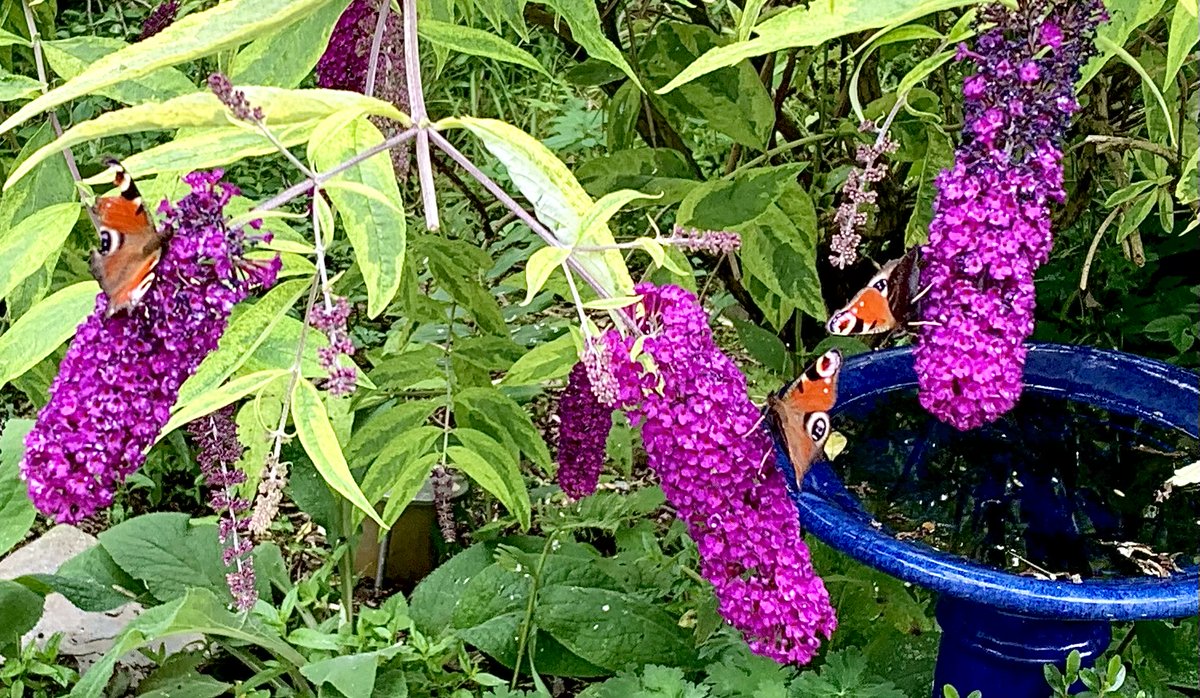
86	635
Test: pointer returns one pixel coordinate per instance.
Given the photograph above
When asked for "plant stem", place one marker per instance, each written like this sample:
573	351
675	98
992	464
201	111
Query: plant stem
385	7
321	177
416	104
527	624
346	564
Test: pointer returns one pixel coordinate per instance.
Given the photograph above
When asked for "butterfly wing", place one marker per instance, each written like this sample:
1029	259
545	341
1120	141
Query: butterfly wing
904	283
803	434
867	313
130	245
816	389
798	413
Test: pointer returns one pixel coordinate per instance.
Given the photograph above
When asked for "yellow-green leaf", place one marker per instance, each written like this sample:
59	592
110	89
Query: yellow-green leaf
593	225
583	18
488	462
208	148
557	197
26	245
545	362
476	42
1185	32
285	57
217	398
540	266
375	227
44	327
241	338
611	303
204	109
811	25
14	86
225	25
70	57
321	444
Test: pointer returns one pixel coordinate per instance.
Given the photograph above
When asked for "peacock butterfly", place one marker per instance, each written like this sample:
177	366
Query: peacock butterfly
130	245
886	304
798	414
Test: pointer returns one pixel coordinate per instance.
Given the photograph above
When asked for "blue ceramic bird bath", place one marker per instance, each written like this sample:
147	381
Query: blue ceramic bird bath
999	626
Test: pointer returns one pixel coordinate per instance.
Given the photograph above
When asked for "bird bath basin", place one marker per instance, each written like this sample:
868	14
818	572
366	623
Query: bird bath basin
1025	514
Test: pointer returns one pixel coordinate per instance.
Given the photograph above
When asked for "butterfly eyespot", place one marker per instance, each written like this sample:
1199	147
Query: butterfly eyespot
880	285
828	364
110	240
817	425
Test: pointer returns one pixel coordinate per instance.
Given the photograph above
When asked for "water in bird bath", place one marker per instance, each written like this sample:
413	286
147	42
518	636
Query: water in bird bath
1054	489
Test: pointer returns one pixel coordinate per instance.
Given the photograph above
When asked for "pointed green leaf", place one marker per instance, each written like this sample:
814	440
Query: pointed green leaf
16	510
488	463
28	244
44	328
204	109
285	57
476	42
543	363
241	338
217	398
811	25
376	229
69	57
493	412
321	445
558	199
224	26
540	266
1185	32
14	86
584	20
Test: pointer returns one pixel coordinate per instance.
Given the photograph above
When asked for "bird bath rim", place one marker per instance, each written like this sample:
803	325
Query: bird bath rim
1160	393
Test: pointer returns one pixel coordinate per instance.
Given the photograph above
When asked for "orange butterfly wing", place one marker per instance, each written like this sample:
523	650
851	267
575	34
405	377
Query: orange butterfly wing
798	413
130	245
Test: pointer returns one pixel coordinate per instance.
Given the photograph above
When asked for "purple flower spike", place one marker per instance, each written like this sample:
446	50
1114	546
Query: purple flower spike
991	222
162	16
716	468
116	385
584	423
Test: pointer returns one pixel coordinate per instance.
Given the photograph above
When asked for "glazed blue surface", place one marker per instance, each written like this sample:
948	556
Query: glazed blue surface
1159	393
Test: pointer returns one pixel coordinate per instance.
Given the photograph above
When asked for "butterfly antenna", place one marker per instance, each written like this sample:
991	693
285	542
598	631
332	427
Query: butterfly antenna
921	294
757	424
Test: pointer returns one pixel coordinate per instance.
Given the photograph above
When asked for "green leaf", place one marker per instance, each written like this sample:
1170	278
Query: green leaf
584	20
375	229
20	610
189	685
540	266
14	86
476	42
499	416
84	594
496	471
93	581
728	204
285	57
212	147
764	346
811	25
281	106
224	26
353	675
370	439
661	171
435	598
221	396
558	199
939	154
593	224
168	554
921	71
69	57
1189	183
611	629
393	464
543	363
244	334
732	101
197	612
7	38
317	437
1185	32
1119	51
1124	16
28	244
1135	214
621	116
16	510
842	674
44	328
